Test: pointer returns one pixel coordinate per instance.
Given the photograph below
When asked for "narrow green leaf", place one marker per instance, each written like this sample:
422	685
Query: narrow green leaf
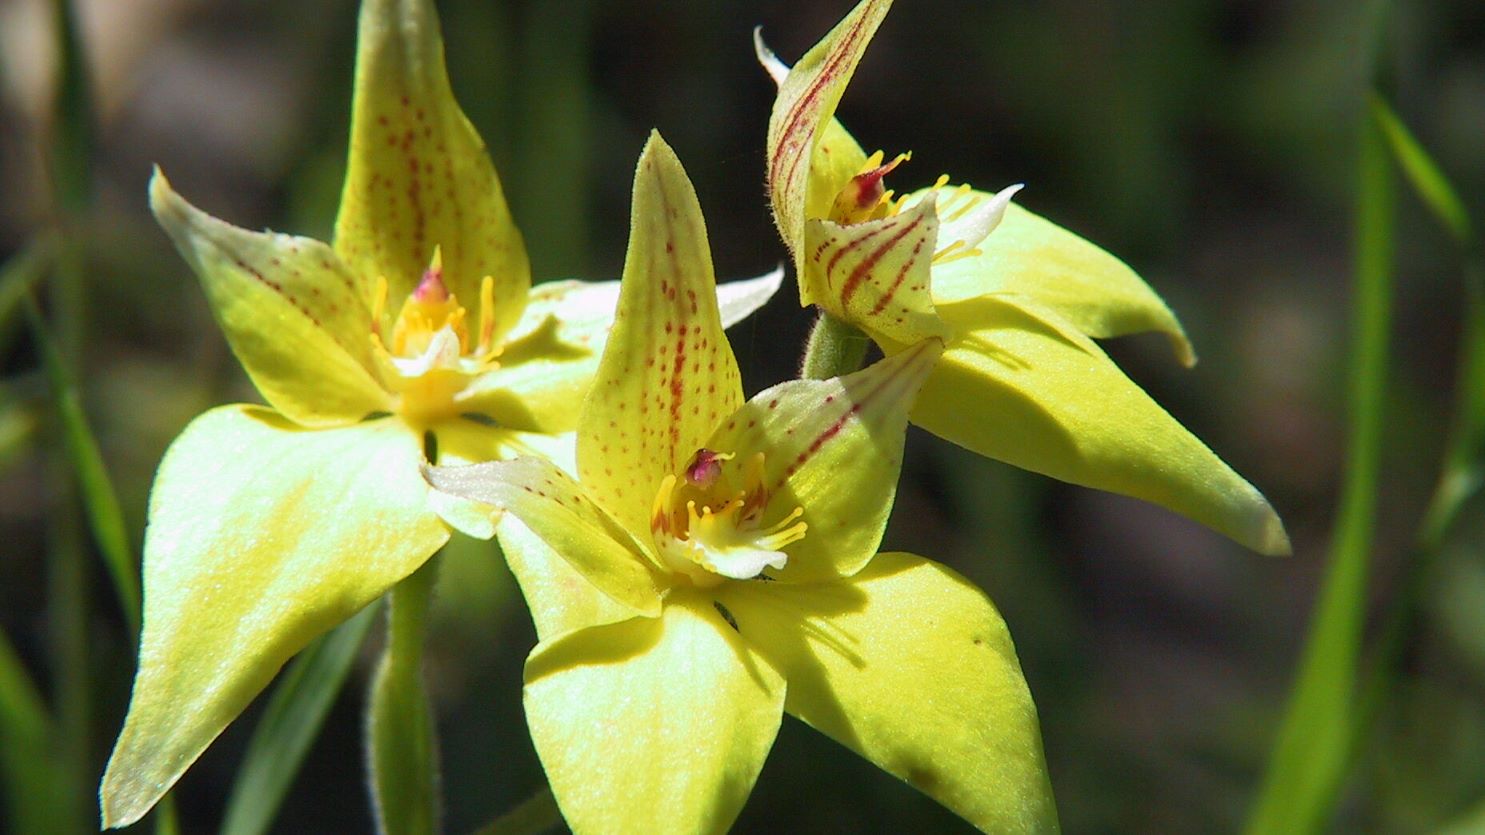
550	186
100	501
21	272
537	813
1471	822
32	791
166	821
1464	455
72	138
1317	733
291	721
1433	188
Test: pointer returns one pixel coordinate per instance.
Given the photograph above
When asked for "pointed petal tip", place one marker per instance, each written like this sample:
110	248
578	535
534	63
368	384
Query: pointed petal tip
121	801
163	198
1272	539
655	144
1185	351
656	158
1254	524
776	69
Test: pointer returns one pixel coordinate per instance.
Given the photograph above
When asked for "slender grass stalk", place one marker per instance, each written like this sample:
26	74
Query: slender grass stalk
31	783
1316	736
99	499
537	813
1463	469
552	182
21	273
67	576
301	700
1425	176
835	347
402	743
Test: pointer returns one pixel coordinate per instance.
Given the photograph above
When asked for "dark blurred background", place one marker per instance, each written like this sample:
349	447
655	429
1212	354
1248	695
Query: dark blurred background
1209	143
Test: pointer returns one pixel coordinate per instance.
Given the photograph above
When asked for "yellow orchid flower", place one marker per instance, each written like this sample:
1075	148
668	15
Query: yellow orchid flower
417	330
754	525
1020	380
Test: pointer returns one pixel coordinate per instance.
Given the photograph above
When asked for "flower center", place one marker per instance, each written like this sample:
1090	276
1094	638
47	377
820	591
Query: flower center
709	531
430	356
965	216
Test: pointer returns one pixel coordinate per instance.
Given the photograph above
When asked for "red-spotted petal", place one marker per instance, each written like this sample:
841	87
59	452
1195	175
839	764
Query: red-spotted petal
805	105
667	376
875	275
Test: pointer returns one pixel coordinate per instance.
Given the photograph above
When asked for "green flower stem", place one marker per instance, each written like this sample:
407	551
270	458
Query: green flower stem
835	347
403	745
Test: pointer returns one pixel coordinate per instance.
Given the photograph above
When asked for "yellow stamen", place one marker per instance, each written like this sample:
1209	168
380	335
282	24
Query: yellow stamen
429	358
864	197
707	531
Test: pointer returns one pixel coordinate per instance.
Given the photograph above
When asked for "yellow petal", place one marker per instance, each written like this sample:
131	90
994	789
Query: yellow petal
875	275
465	441
552	354
910	665
668	376
834	449
837	156
559	598
418	175
295	316
261	536
555	508
1020	385
652	725
468	441
806	103
1094	291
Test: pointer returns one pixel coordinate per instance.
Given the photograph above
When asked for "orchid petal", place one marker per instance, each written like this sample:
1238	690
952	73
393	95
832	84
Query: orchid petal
1021	385
834	449
243	566
559	598
464	441
875	275
652	725
1031	256
418	175
555	508
294	315
909	664
553	353
837	156
668	376
802	115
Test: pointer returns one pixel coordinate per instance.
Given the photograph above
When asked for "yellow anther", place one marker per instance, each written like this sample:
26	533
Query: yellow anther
706	530
864	197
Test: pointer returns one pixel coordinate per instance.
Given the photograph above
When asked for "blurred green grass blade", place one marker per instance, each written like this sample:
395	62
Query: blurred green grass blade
537	813
1433	188
166	821
1471	822
21	272
18	276
32	792
551	183
291	721
100	501
1464	457
1316	735
72	132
